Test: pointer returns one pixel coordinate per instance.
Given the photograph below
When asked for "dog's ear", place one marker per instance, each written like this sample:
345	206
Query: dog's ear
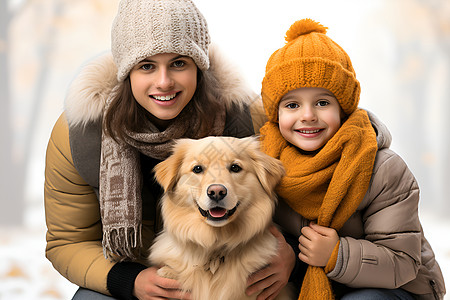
167	171
269	170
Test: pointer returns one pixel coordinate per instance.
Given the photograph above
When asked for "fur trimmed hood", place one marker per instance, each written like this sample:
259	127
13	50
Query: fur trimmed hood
384	137
87	94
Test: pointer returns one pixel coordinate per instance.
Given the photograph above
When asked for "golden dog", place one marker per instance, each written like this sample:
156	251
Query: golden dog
217	208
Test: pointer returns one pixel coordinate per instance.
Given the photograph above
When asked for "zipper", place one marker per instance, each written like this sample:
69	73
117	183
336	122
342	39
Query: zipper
433	287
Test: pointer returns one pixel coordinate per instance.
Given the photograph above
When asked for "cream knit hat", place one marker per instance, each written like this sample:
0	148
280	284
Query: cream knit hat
143	28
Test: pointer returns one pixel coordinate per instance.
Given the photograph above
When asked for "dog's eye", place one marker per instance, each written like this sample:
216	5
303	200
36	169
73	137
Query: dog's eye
197	169
235	168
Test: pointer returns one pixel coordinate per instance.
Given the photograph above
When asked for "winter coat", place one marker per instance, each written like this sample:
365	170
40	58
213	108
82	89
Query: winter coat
74	228
382	245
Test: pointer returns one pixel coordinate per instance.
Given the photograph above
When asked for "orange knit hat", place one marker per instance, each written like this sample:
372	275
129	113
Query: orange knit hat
309	59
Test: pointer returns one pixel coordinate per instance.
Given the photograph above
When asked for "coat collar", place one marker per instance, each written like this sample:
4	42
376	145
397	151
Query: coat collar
384	137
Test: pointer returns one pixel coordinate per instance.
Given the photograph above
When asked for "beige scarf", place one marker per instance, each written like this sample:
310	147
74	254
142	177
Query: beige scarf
327	186
121	178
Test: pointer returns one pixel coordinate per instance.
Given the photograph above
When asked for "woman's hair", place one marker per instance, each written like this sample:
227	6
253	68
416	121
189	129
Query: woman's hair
125	114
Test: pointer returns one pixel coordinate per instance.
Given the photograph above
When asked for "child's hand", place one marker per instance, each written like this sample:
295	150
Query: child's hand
316	244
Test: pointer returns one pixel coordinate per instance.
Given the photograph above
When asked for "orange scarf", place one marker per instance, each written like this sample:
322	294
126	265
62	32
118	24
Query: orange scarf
327	186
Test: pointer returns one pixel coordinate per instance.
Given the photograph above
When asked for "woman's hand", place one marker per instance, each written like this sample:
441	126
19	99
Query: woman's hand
273	278
149	285
316	244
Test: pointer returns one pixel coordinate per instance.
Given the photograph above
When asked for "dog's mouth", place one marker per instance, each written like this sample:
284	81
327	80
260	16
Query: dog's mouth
217	213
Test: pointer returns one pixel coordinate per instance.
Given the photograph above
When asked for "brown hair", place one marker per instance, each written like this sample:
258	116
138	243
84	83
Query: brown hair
125	114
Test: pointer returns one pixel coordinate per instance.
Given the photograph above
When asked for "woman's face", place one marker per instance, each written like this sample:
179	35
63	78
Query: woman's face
164	84
309	117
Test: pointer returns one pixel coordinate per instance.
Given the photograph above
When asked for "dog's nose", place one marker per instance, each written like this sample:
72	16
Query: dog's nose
216	192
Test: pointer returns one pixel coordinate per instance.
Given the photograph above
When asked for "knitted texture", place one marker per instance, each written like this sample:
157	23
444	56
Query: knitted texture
148	27
121	177
333	259
328	186
309	59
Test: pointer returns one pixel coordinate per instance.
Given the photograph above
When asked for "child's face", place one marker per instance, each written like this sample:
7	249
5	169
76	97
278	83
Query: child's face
164	84
309	117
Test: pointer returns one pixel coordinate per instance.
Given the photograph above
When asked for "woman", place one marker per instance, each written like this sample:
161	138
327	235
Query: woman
121	116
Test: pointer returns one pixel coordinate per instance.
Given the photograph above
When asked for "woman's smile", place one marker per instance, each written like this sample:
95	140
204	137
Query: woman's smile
168	80
165	100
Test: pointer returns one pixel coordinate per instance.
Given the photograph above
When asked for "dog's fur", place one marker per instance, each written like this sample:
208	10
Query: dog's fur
212	251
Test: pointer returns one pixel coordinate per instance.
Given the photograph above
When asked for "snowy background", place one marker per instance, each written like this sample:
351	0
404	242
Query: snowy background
400	50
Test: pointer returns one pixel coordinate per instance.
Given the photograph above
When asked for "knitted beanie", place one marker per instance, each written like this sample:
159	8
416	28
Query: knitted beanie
143	28
309	59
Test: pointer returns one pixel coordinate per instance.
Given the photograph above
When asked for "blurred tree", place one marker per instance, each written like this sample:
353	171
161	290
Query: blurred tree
410	47
15	160
12	201
441	21
42	43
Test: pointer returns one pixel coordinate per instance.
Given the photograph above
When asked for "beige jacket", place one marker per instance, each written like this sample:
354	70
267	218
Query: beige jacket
74	229
382	245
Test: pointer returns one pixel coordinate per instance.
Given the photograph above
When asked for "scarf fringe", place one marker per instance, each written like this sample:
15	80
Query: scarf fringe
119	243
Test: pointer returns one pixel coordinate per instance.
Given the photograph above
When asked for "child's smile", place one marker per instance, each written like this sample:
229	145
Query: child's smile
309	132
309	117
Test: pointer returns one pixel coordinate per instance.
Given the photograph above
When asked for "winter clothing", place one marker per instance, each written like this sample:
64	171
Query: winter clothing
330	184
348	180
121	180
309	59
74	235
382	244
339	173
145	28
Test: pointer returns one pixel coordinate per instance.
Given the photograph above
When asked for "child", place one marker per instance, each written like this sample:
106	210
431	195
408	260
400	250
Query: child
351	200
121	116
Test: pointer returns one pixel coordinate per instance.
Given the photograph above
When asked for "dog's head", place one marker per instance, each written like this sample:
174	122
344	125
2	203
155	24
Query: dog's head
218	181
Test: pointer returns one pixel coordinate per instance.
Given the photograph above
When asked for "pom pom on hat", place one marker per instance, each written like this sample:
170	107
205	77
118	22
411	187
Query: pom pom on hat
309	59
302	27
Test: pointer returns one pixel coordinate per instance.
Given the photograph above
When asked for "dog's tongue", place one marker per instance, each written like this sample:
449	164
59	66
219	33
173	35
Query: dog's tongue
217	212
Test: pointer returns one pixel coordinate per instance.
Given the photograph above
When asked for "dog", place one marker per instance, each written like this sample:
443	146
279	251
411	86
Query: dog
217	208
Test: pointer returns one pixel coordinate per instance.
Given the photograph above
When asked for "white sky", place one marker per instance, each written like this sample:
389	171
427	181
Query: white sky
249	31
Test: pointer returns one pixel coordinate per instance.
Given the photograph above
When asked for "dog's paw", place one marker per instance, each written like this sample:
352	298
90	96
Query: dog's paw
166	272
